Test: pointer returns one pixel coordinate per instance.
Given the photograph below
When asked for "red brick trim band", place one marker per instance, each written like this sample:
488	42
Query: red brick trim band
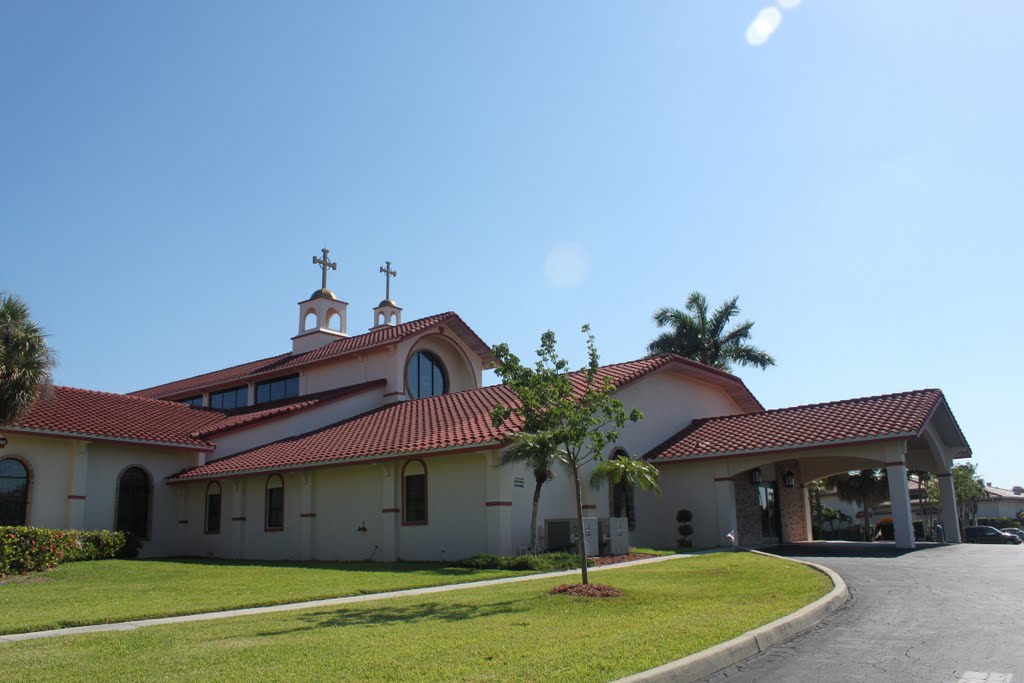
589	507
74	497
307	515
498	503
723	478
390	510
893	464
238	519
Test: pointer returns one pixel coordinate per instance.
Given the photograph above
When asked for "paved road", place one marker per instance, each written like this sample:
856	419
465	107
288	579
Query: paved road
933	614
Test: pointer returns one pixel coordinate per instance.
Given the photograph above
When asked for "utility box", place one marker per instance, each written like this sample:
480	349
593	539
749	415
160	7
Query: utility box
562	534
618	536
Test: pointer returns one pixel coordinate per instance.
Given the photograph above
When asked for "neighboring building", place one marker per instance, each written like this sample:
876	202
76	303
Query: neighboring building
1000	503
380	446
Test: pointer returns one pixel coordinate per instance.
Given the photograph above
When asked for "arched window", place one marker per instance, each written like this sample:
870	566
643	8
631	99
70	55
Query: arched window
414	493
274	520
13	492
309	321
133	502
212	524
425	376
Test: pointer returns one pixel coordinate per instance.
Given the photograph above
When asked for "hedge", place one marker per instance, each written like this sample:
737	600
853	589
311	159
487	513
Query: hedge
998	522
544	562
28	549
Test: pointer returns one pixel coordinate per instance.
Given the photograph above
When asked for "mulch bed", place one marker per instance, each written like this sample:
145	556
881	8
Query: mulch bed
615	559
590	590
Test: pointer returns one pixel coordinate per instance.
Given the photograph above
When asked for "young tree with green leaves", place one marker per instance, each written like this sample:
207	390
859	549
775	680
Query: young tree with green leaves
702	336
26	362
571	415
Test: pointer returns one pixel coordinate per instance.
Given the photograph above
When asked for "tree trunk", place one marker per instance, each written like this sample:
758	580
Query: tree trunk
867	520
533	517
580	543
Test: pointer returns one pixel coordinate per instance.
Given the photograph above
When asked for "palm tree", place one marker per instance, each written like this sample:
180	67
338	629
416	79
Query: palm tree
628	472
702	337
26	361
864	487
538	457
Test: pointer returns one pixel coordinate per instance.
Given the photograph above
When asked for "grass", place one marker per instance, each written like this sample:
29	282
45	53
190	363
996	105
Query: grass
508	632
104	591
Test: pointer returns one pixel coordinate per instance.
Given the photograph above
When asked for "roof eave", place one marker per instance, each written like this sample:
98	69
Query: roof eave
339	462
789	448
207	448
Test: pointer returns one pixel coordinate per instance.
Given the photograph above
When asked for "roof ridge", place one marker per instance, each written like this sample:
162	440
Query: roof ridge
437	317
145	399
804	406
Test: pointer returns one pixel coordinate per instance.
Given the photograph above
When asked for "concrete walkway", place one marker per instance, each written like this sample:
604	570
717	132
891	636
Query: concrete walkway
329	602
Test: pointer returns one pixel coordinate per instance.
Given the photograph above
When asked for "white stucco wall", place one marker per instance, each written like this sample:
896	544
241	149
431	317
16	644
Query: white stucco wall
288	425
52	462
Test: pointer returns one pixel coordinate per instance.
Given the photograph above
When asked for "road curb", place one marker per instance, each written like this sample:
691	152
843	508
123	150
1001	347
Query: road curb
703	664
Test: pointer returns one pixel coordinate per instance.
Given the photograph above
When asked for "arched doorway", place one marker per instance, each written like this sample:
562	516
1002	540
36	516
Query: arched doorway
133	491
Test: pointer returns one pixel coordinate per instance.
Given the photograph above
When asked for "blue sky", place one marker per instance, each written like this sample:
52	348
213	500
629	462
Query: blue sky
167	172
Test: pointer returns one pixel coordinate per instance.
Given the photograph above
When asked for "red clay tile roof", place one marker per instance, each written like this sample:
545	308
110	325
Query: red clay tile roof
454	420
244	417
860	419
286	361
115	417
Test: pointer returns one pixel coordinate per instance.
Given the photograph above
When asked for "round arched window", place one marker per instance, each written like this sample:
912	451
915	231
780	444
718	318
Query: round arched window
425	376
13	492
133	502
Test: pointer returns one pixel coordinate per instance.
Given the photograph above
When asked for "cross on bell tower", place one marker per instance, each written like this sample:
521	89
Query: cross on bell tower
387	311
323	318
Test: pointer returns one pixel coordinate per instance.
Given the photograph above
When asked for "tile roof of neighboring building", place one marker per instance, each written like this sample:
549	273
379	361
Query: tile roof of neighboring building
116	417
996	493
284	362
456	420
860	419
243	417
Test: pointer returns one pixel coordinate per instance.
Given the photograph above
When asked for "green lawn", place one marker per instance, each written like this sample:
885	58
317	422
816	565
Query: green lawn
509	632
81	593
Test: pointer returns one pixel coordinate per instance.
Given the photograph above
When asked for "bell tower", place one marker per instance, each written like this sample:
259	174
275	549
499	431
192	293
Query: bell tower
323	317
387	313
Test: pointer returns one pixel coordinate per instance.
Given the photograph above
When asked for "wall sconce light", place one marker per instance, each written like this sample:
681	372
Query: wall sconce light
3	441
755	476
789	480
362	528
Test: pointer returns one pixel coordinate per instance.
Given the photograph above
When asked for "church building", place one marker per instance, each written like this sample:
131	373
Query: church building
378	444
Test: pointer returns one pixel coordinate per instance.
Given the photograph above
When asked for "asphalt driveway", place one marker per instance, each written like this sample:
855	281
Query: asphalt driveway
937	613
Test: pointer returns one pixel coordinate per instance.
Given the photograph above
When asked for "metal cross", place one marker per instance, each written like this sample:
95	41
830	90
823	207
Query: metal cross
388	274
324	264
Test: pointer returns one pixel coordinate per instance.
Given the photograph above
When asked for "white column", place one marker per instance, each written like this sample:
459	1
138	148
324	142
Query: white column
390	512
237	517
306	515
725	500
78	464
899	496
950	515
498	505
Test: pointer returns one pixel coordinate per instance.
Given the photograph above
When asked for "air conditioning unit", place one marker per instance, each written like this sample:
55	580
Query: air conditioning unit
562	534
618	542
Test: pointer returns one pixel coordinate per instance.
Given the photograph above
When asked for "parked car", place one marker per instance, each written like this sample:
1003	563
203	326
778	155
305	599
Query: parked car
989	534
1016	531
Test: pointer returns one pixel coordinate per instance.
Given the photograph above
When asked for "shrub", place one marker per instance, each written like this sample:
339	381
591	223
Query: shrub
543	562
684	517
28	549
998	522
